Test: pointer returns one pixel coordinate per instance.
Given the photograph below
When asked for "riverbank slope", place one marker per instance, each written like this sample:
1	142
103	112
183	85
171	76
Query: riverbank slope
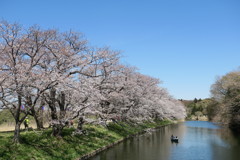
41	145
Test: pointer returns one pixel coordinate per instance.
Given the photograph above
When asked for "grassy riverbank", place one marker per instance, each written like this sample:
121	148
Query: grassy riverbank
41	145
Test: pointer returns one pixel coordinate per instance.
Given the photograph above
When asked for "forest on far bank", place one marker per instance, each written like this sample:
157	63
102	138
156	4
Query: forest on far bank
197	109
224	104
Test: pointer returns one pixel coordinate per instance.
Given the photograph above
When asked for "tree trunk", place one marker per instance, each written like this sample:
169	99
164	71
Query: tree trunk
16	138
41	117
80	124
61	103
38	121
57	130
57	127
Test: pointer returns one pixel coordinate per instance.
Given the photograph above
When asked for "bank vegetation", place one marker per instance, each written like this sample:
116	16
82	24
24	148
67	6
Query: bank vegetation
226	95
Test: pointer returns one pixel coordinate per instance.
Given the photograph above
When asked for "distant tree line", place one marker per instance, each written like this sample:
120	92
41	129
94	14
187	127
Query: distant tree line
196	108
59	72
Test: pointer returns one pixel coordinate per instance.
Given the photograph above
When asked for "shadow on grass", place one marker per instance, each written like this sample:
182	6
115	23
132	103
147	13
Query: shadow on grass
42	145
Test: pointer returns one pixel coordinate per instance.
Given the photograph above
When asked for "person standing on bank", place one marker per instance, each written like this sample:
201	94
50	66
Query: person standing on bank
26	123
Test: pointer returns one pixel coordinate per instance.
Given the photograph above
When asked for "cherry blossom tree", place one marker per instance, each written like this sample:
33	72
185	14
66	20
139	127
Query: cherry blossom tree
60	71
19	77
129	95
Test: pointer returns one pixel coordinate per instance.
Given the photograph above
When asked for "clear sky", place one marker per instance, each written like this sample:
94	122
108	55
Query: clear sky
184	43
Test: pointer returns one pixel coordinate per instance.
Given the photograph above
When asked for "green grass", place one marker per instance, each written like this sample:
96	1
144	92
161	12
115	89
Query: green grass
5	116
40	145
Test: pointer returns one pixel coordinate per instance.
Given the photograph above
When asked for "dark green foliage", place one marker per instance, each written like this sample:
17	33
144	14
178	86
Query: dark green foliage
212	109
195	100
198	106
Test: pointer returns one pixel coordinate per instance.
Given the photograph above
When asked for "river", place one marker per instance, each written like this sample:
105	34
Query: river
198	140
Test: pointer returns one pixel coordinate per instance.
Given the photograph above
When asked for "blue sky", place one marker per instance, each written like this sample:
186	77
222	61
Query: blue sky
184	43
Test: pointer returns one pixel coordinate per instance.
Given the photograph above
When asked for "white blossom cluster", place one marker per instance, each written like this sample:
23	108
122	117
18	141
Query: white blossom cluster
72	79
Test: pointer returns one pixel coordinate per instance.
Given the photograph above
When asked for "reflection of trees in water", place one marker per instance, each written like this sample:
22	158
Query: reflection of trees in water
197	142
177	130
226	145
157	144
229	137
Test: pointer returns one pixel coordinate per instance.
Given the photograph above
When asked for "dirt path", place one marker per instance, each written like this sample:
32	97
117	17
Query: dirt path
10	126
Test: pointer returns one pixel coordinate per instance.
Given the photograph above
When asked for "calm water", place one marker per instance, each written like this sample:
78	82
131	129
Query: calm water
197	141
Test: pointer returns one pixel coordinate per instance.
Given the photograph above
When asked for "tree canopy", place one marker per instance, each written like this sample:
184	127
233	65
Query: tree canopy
226	91
72	79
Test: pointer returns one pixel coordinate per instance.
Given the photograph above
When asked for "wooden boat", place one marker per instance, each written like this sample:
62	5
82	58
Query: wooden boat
174	139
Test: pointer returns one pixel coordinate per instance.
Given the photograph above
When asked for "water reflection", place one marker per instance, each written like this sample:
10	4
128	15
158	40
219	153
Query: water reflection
197	141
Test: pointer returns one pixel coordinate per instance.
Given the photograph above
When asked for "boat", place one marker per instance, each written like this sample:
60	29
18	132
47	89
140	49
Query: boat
174	139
